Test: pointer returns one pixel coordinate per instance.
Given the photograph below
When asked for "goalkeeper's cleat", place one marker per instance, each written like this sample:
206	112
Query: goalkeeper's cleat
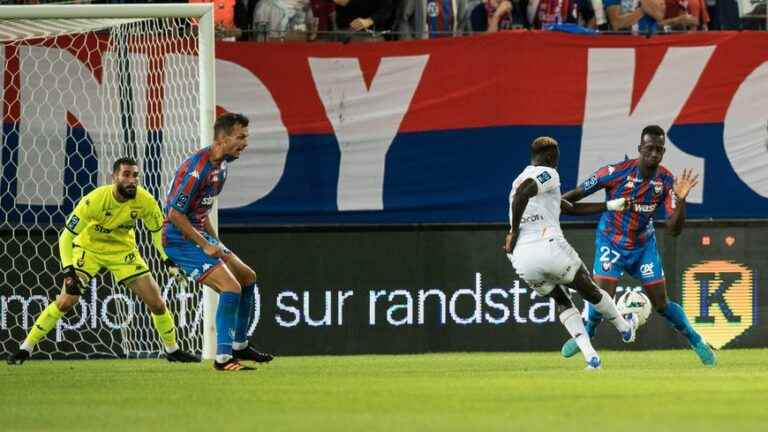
705	353
18	357
231	365
570	348
250	353
629	335
593	364
181	357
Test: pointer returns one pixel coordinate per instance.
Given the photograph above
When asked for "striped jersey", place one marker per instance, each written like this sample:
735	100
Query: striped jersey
441	18
633	227
197	181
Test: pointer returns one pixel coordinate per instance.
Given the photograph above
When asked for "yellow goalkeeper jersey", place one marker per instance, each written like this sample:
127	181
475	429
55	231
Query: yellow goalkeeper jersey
101	223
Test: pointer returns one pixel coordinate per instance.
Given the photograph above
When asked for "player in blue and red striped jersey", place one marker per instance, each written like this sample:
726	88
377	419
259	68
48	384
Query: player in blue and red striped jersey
626	240
191	242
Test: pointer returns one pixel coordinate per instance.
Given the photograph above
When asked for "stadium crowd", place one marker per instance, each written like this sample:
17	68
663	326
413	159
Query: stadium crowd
374	20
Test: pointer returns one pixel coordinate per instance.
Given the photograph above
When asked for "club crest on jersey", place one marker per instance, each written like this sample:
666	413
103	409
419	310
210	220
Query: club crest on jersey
134	214
629	184
544	177
657	187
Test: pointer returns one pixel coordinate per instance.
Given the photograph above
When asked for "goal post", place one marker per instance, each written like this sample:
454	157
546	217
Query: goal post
83	85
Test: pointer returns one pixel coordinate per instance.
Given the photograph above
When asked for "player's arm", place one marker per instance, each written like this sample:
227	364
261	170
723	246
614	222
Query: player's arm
76	223
209	229
599	180
674	203
527	190
580	209
181	221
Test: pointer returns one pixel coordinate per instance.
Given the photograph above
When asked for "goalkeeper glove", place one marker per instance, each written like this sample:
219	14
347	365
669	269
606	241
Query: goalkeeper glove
175	272
618	204
72	283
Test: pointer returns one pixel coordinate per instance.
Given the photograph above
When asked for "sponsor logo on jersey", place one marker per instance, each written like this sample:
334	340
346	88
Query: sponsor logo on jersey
645	208
131	257
544	177
590	183
532	218
606	265
646	269
207	200
73	221
102	229
720	299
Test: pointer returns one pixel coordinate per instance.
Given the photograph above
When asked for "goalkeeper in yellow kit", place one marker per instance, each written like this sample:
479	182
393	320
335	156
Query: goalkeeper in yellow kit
100	234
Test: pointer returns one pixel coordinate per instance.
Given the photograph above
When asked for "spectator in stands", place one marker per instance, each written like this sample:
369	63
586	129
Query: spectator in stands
323	12
359	16
685	15
243	16
635	15
499	14
542	13
423	19
284	19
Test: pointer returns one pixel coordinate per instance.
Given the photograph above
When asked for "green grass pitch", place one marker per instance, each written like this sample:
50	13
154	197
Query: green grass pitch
645	391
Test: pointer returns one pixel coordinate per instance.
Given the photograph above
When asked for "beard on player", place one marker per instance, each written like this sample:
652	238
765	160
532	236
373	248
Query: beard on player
127	191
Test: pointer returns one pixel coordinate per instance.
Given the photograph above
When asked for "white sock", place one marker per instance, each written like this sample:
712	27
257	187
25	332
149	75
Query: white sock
607	308
172	349
239	345
27	347
571	319
223	358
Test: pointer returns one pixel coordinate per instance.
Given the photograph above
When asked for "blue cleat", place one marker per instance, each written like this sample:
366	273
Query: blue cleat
629	336
570	348
705	353
594	364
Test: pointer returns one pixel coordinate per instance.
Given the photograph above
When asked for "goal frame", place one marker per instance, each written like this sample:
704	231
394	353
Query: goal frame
203	12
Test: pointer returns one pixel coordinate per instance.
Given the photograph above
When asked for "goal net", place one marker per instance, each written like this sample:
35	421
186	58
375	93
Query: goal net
82	86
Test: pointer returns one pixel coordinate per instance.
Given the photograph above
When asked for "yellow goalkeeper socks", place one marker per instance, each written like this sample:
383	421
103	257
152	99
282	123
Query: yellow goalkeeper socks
44	323
166	328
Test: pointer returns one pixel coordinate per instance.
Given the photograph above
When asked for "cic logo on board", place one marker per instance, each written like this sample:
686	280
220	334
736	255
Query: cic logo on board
719	299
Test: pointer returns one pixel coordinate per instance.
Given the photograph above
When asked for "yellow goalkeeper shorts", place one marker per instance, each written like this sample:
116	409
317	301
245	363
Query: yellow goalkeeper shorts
124	266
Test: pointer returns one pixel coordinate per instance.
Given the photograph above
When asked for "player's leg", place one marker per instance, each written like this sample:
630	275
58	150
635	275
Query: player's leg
571	320
649	270
607	269
146	288
602	302
221	279
246	277
84	267
212	272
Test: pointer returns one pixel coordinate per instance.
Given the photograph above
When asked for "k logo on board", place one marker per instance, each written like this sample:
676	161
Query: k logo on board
719	299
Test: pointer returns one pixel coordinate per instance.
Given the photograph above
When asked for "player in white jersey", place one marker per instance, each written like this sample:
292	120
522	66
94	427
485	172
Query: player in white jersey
543	258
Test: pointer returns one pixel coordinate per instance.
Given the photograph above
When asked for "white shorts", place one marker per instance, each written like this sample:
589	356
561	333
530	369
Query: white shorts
546	263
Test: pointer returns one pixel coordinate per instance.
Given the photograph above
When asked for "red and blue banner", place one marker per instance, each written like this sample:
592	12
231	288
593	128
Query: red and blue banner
435	131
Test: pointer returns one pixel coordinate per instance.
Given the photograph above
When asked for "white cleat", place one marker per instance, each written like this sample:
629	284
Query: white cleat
629	336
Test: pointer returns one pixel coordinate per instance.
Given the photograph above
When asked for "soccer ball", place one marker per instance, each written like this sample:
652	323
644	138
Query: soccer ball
635	302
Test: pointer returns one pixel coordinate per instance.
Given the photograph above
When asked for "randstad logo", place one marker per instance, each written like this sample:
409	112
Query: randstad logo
719	298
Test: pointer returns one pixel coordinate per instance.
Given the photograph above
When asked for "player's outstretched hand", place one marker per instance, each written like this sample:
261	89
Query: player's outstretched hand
685	183
509	243
213	250
175	272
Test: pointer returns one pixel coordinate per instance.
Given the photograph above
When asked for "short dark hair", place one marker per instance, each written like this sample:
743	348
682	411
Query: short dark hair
226	122
125	160
654	130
